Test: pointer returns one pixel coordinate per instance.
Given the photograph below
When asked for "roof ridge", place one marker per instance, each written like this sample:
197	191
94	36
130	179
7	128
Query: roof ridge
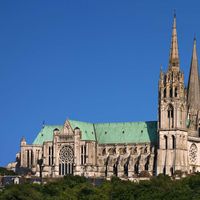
93	123
124	122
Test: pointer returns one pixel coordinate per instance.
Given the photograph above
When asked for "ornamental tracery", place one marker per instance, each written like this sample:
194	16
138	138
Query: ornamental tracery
66	154
193	153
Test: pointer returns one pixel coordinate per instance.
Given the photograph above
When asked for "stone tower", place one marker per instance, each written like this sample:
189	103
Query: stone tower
172	112
193	97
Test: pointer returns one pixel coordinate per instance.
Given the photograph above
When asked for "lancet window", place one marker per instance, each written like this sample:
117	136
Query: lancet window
170	114
83	154
29	158
50	155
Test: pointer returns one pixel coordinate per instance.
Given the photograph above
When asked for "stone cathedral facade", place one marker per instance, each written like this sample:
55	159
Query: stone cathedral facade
126	149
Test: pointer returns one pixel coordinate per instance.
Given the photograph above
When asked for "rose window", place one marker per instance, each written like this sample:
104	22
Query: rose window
66	154
193	153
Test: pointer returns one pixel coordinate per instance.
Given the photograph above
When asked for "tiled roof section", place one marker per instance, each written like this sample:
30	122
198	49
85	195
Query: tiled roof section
107	133
128	132
46	134
87	129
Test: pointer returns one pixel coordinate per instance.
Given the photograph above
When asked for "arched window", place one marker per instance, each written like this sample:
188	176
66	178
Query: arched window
50	155
164	93
176	92
83	154
29	158
170	114
173	142
171	92
165	142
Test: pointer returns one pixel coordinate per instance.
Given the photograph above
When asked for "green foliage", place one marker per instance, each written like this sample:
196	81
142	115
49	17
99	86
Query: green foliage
4	171
21	192
79	188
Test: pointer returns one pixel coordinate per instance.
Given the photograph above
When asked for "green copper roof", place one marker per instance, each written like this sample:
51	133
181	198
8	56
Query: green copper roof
128	132
107	133
46	134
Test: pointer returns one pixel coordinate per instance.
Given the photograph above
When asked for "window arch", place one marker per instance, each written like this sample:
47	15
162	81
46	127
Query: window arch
176	92
170	115
171	92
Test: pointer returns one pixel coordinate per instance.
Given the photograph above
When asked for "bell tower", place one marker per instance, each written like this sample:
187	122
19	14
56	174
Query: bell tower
172	112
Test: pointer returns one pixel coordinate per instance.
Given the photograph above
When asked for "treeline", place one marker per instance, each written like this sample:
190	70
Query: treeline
76	187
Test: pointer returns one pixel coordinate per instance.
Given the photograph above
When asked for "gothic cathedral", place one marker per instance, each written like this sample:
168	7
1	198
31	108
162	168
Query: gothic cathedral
126	149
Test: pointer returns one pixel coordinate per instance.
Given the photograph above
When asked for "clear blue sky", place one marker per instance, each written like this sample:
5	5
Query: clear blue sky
91	60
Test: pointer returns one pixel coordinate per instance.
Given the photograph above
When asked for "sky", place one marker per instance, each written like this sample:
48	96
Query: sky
87	60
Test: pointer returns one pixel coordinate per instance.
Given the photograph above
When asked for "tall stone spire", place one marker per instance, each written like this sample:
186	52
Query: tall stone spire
174	56
193	83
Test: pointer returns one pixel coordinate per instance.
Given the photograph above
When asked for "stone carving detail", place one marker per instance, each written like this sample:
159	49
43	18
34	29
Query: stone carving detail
193	153
66	154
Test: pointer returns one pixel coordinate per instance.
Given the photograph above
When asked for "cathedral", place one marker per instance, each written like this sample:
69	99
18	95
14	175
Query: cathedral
125	150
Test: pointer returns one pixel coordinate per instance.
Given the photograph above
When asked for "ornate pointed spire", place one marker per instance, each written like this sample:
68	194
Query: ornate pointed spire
193	83
174	56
